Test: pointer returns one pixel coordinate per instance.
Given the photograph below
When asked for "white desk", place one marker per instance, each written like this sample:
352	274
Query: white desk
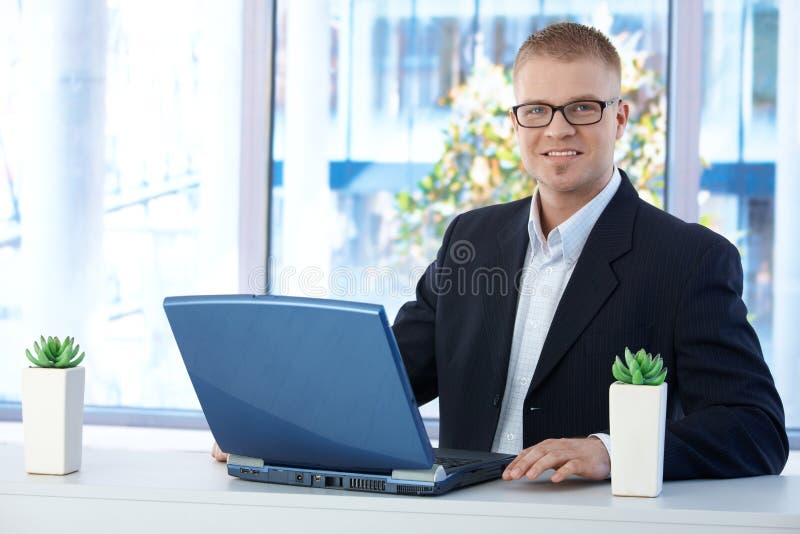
118	492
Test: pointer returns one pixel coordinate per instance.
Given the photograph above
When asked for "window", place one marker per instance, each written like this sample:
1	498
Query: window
119	184
745	140
371	100
122	157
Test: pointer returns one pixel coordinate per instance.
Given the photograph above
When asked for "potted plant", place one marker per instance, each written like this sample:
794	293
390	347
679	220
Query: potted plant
637	413
52	407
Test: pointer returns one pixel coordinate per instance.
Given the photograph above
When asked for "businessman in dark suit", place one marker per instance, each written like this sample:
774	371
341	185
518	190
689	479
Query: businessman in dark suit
516	324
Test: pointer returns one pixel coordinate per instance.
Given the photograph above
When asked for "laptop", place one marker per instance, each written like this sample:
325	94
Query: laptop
313	392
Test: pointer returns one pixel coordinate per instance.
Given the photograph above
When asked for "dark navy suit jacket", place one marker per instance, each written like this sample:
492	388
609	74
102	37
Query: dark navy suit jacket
645	279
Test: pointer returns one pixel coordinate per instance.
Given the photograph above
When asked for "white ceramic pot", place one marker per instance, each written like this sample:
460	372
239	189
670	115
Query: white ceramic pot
52	419
637	415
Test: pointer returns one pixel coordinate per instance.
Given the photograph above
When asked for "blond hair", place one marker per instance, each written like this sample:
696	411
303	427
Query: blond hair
567	41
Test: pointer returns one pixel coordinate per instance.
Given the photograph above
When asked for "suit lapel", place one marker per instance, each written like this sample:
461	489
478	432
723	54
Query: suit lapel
500	310
593	280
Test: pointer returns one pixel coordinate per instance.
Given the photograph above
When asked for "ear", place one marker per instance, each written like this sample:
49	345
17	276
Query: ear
623	110
513	121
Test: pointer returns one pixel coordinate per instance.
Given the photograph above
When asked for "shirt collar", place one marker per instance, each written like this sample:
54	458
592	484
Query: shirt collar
570	236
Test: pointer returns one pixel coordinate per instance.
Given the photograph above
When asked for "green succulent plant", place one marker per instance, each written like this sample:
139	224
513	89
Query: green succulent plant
54	353
640	368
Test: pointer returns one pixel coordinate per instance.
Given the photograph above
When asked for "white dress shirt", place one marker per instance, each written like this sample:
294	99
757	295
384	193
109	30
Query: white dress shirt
549	263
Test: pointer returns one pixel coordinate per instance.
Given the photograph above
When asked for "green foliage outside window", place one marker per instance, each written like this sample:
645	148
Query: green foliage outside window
480	162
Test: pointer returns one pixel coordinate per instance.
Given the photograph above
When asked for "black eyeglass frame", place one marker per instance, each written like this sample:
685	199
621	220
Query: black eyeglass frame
602	103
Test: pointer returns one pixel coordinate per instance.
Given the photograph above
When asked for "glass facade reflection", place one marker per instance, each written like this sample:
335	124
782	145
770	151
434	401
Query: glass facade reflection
389	119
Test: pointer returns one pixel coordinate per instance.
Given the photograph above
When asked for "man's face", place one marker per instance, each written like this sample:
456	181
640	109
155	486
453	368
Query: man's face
584	172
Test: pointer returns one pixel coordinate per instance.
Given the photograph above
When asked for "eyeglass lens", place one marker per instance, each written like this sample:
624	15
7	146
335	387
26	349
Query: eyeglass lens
576	113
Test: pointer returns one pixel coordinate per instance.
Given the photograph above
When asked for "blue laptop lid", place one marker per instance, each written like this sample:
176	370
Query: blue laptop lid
301	382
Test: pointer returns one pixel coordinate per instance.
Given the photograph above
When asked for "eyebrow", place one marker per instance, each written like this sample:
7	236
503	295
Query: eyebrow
573	99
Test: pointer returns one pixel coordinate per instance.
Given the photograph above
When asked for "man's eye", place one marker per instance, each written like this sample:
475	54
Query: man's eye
584	107
535	110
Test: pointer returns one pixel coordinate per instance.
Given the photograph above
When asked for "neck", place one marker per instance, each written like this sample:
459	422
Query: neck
556	207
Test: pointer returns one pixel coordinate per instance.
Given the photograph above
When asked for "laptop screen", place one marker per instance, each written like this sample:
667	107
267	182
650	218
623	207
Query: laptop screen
301	382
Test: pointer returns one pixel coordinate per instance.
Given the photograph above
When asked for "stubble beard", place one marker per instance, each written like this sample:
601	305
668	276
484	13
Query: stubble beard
561	170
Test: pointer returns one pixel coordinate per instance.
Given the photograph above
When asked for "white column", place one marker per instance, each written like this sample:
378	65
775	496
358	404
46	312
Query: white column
786	287
256	140
307	208
62	168
686	97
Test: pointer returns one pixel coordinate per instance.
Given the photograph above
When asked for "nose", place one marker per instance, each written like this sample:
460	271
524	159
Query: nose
559	127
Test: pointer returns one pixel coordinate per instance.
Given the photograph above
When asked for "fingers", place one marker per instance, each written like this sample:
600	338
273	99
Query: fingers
513	470
582	457
572	467
551	460
217	453
527	459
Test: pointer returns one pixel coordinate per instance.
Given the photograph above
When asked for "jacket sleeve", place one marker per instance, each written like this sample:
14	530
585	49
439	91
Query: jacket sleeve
733	422
415	326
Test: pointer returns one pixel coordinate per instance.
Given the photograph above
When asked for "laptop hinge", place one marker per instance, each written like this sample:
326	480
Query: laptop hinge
235	459
434	474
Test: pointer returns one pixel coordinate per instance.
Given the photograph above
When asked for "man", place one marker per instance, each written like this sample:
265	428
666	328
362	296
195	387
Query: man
517	322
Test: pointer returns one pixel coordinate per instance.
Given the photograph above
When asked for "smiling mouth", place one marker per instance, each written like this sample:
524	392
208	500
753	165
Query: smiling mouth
562	153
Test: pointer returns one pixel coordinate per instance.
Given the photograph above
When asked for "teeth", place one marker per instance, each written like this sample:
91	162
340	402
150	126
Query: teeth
566	153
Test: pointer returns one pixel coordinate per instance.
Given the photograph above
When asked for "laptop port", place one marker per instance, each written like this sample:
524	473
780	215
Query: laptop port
333	482
299	479
244	470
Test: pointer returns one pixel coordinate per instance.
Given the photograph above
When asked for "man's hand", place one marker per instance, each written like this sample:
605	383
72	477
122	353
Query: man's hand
585	457
217	453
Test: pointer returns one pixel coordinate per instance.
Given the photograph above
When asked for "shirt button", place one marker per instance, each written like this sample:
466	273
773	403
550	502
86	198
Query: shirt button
549	270
509	436
535	325
523	381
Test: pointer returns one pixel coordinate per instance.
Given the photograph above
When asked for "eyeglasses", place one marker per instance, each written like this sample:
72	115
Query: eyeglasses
578	113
